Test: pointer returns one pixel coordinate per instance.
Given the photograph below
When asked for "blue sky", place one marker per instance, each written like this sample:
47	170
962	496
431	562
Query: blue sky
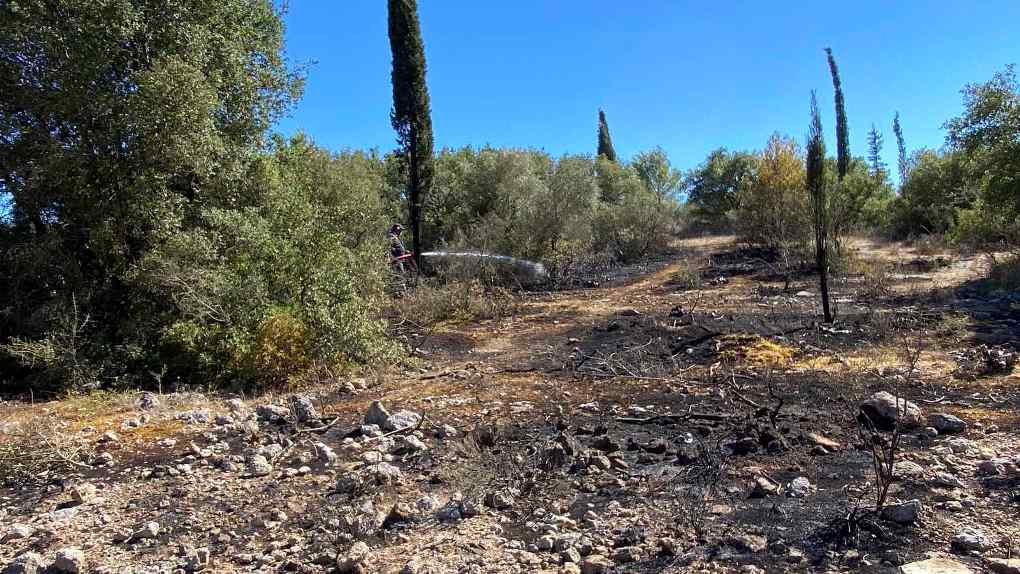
689	76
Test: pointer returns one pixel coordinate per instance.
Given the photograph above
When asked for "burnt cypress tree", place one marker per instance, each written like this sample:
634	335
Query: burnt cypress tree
875	141
842	134
815	179
411	115
901	148
605	142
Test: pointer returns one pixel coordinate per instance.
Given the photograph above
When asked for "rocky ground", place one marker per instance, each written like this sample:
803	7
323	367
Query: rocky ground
651	424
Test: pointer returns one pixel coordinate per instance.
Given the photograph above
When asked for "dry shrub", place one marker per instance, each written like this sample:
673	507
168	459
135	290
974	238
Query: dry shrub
686	277
281	349
34	450
1005	274
435	301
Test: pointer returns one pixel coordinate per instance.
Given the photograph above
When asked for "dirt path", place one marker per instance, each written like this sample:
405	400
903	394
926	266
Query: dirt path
612	376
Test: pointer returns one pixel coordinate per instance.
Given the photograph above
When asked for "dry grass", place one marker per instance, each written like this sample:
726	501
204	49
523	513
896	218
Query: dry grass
754	350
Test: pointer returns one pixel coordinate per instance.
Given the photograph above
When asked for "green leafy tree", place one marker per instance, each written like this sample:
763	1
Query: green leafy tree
875	153
937	186
605	142
988	134
411	115
815	179
616	181
713	188
658	175
119	123
901	149
842	131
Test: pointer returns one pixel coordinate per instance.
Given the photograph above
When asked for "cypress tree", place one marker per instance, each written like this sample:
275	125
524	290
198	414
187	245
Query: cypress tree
411	115
901	148
875	141
842	135
815	179
605	142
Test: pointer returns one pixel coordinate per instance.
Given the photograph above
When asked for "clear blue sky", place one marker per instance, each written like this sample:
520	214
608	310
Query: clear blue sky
689	76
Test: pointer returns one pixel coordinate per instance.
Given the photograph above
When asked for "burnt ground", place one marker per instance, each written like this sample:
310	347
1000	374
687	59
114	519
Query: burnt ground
630	421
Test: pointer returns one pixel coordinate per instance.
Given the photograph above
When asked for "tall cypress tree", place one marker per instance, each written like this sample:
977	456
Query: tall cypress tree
875	142
815	179
605	142
842	134
411	115
901	148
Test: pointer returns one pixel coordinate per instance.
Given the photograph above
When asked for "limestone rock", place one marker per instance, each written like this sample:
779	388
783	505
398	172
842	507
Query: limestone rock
377	414
27	563
935	566
903	512
69	561
884	410
946	423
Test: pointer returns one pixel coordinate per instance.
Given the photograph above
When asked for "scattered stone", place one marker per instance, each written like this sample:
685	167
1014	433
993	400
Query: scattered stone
751	543
799	487
763	487
357	560
906	469
446	432
17	532
596	564
324	454
108	437
148	401
627	554
935	566
272	413
824	442
499	500
903	512
409	445
69	561
27	563
258	465
969	539
198	560
1004	565
402	420
383	474
83	493
884	410
947	479
148	530
377	414
930	432
303	409
235	405
103	459
744	446
946	423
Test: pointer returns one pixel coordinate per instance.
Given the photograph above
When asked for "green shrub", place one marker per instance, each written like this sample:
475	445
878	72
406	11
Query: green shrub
639	226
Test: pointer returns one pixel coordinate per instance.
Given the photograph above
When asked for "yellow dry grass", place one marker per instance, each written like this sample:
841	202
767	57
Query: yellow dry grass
755	350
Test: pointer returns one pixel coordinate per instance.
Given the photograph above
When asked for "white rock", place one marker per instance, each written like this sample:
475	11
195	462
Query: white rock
377	414
799	487
27	563
946	423
903	512
969	539
401	420
935	566
18	532
69	561
885	409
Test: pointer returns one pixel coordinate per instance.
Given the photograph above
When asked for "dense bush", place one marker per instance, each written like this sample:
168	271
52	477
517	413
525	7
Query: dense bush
774	208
